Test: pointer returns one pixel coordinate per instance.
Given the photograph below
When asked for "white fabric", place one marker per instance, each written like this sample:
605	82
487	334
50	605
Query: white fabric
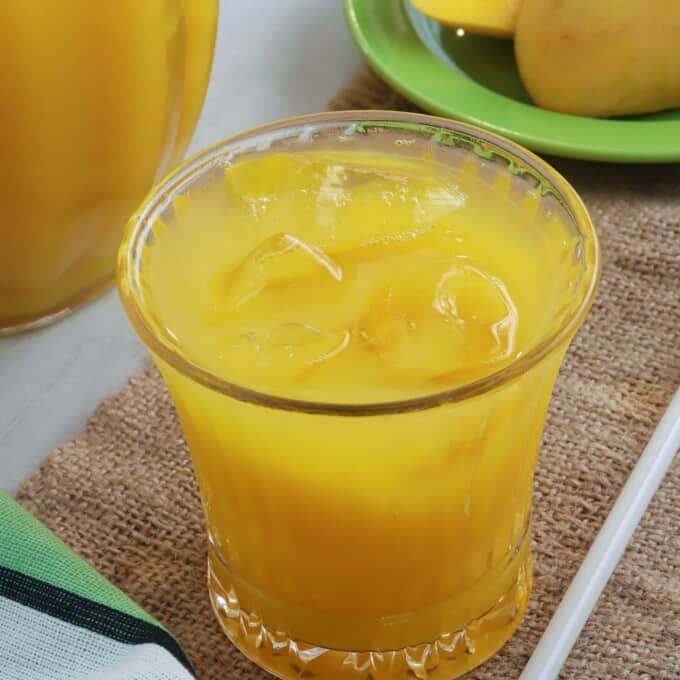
34	646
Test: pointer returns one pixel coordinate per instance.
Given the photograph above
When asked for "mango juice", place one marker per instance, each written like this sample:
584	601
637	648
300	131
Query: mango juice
99	101
350	323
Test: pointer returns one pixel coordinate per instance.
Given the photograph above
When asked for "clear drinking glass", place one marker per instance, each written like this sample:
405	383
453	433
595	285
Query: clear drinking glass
368	540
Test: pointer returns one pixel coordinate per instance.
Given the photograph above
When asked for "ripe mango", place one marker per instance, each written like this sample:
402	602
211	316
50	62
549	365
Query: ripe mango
600	58
485	17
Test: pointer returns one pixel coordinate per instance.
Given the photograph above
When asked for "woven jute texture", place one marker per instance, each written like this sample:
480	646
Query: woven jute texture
123	496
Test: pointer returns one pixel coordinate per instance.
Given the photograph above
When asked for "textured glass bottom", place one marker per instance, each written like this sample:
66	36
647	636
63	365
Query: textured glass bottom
31	322
449	656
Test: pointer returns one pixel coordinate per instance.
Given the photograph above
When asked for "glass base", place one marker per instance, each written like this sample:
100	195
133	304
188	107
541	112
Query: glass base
31	322
449	656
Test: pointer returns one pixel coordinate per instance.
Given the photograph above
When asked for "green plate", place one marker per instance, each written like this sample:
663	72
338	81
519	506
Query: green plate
475	79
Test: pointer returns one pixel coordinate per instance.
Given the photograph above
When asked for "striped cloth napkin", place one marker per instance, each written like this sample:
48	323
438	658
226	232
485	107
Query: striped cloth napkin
61	620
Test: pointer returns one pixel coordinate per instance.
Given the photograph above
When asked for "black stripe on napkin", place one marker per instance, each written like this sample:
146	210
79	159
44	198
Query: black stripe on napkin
79	611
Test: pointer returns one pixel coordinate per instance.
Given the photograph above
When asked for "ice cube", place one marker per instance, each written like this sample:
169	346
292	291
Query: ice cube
309	343
369	210
340	204
440	319
480	302
466	294
277	261
284	354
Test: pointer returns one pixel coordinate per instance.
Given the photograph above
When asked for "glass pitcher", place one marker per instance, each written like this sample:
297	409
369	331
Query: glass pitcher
99	101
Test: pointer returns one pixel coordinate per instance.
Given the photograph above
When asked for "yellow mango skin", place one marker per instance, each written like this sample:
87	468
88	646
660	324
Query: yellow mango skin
484	17
608	58
98	102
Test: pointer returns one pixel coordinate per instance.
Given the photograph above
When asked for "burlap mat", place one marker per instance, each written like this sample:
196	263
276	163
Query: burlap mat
123	496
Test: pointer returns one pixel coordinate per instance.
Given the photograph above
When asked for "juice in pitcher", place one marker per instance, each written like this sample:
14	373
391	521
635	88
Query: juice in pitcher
360	323
99	100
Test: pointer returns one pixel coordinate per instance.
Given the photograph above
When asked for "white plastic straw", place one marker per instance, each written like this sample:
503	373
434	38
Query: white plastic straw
591	578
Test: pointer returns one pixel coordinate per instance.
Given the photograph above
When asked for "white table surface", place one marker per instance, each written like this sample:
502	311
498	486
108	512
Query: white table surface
273	59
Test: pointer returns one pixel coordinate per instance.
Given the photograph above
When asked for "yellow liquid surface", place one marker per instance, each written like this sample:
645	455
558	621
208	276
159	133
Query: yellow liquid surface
356	278
98	102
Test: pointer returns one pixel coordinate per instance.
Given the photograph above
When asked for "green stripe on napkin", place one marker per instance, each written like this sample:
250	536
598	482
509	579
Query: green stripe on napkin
61	620
28	547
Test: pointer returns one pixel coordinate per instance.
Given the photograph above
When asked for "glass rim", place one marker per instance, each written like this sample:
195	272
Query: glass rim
489	143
